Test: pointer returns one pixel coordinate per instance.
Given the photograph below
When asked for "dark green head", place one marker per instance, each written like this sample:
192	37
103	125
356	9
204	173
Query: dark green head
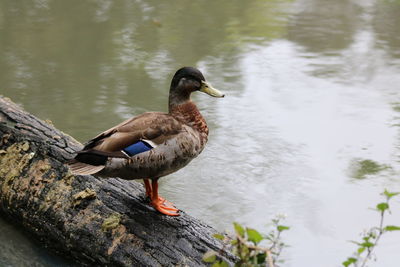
189	74
187	80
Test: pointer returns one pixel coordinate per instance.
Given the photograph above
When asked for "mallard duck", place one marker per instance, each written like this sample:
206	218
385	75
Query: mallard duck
153	144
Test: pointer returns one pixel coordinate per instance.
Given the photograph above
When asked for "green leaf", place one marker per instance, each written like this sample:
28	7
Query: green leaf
367	244
216	264
282	228
382	206
223	264
360	250
234	242
254	236
219	236
391	228
210	256
390	194
239	229
349	261
352	260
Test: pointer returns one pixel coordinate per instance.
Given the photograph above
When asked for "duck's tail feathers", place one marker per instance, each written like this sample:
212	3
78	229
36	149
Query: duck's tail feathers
80	168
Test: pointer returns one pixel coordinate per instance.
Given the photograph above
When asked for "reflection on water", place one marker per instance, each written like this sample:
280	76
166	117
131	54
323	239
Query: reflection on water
361	168
312	92
323	26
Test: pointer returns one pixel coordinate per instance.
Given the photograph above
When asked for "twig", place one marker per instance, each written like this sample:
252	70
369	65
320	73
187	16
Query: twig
376	240
270	260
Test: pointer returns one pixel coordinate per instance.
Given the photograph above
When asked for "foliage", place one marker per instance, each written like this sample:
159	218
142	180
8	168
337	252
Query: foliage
245	245
371	237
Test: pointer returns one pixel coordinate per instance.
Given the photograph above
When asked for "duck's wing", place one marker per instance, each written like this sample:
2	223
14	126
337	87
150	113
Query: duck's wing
131	137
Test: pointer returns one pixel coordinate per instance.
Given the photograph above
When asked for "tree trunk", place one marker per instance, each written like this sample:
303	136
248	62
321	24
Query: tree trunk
93	221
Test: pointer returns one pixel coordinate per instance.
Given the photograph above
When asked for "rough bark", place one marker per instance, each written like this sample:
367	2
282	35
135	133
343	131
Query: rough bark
93	221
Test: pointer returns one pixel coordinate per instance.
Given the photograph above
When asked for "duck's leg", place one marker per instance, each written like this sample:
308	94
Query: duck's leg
161	204
147	186
149	191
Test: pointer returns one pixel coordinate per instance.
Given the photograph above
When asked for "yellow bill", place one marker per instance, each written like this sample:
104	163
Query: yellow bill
208	89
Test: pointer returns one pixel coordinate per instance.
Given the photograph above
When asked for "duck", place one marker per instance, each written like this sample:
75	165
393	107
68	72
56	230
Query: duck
154	144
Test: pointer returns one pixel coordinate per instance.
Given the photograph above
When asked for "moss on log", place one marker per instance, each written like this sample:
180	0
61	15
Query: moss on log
93	221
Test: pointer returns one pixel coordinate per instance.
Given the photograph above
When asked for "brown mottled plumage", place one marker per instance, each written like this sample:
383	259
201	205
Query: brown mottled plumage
175	138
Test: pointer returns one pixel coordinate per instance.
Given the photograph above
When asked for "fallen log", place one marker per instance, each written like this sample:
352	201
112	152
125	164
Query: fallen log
92	221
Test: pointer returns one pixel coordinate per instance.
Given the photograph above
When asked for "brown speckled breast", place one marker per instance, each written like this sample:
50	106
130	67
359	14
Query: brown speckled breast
188	114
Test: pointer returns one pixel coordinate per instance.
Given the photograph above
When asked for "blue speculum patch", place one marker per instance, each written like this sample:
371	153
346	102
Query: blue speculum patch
136	148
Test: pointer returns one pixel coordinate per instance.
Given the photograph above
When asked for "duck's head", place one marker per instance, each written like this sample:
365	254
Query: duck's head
187	80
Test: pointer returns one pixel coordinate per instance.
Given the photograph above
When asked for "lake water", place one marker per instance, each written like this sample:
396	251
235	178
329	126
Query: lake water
309	126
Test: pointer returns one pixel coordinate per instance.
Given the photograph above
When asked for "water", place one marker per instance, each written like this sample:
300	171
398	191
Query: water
309	127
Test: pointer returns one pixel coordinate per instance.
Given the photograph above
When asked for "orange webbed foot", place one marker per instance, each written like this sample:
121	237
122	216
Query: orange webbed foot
160	204
167	204
169	209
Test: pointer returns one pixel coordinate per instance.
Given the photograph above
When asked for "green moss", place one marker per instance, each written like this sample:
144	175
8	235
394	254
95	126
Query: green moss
111	222
362	168
85	194
12	164
14	161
